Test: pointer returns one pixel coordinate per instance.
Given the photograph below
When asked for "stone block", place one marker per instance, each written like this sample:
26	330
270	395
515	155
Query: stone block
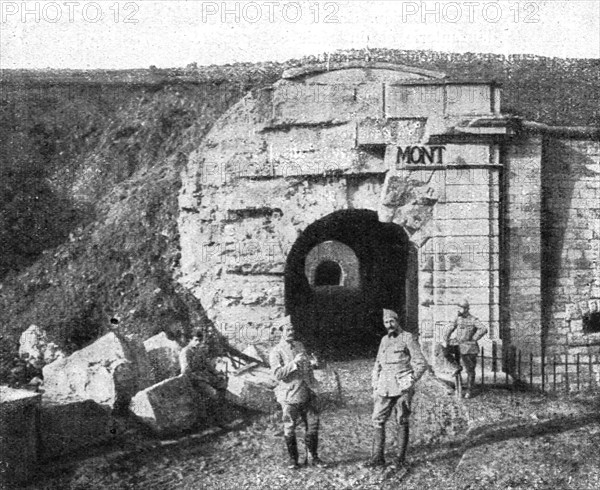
109	371
19	424
163	356
68	425
468	193
469	99
463	279
307	151
414	101
299	103
34	343
364	193
466	261
460	210
468	155
461	254
171	406
467	227
250	387
390	132
317	103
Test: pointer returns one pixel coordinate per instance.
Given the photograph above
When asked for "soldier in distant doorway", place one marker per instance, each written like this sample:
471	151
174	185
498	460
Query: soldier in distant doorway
463	346
296	392
399	365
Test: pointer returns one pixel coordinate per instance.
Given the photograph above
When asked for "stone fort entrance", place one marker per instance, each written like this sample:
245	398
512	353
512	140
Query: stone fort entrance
345	188
315	196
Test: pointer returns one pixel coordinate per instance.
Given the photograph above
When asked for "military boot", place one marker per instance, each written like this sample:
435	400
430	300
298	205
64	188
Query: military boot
378	448
400	461
312	444
292	450
468	392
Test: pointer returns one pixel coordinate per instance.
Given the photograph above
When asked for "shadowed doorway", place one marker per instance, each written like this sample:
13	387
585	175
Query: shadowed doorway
340	273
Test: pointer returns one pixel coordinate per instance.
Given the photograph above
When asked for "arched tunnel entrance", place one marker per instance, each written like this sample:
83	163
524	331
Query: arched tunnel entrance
340	273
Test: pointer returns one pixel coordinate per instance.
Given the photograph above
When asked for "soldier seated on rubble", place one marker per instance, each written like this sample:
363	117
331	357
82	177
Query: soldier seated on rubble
195	362
197	366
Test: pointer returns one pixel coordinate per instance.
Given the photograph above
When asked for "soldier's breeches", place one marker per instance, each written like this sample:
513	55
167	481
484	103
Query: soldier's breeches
384	405
295	413
469	361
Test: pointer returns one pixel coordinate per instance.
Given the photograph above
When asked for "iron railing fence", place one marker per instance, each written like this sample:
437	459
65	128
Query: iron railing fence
548	373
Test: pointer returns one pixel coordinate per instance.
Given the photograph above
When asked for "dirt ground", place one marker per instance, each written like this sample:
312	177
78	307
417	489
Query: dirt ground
498	439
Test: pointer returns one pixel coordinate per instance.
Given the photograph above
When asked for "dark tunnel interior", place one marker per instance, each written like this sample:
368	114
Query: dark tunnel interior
338	322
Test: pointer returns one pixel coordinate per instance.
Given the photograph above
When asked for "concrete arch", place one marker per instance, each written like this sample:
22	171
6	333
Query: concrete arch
333	252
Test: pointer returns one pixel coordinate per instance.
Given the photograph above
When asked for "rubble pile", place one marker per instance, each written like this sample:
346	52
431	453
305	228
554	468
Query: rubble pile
34	344
109	371
35	351
84	394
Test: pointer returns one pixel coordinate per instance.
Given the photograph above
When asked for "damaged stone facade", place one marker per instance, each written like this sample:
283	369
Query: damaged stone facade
485	206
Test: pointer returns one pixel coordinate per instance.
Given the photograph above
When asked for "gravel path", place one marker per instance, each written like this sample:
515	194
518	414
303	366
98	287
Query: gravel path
498	439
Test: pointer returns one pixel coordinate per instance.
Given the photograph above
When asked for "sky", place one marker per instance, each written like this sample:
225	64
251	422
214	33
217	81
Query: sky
137	34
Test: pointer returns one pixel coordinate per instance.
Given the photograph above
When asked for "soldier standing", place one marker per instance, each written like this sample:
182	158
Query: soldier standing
399	365
465	348
296	392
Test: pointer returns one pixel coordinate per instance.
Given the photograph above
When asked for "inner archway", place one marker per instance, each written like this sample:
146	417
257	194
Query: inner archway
336	304
328	273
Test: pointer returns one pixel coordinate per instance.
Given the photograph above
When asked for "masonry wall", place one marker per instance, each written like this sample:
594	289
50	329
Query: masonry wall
521	246
571	252
240	238
452	216
551	260
308	146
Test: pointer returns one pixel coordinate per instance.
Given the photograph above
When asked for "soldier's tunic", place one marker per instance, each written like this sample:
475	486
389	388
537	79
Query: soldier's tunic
297	387
209	384
467	331
399	364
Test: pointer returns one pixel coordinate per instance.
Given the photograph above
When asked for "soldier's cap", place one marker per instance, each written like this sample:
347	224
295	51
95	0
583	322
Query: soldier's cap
464	303
281	322
390	314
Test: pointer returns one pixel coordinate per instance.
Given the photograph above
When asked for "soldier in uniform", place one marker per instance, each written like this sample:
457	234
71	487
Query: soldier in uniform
196	365
463	345
296	392
399	364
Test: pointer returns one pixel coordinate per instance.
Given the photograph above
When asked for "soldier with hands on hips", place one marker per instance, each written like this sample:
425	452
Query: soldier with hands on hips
463	346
